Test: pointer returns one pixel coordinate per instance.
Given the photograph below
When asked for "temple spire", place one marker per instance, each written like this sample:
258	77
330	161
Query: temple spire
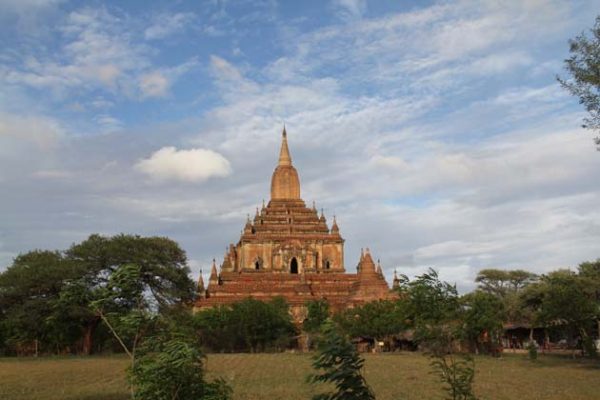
201	288
284	154
214	277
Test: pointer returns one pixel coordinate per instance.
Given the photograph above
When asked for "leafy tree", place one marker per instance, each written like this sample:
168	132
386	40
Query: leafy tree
249	325
376	319
161	271
341	366
435	312
584	69
589	271
29	291
318	312
503	282
483	318
46	297
437	316
169	366
566	298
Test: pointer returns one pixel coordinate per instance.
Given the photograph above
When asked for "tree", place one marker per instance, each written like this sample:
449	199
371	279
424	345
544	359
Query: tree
161	270
375	319
503	282
341	366
435	312
249	325
508	286
584	69
589	271
318	312
437	318
567	299
170	366
483	318
29	291
46	296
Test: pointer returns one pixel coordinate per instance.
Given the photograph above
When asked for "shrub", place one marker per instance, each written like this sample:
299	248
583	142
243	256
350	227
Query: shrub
341	366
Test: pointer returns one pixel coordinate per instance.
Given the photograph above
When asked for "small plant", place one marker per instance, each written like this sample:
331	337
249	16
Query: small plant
341	366
172	369
457	374
532	350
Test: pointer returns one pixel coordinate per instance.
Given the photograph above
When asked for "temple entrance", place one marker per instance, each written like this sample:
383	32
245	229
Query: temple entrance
294	266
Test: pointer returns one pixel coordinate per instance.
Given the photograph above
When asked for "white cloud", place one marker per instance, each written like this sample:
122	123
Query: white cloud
191	165
168	24
350	8
157	83
154	84
98	50
42	131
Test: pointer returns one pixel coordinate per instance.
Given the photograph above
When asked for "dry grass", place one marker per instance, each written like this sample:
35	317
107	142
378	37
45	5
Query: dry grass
283	376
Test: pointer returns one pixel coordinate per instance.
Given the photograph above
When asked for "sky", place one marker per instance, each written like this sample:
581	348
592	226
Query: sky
435	131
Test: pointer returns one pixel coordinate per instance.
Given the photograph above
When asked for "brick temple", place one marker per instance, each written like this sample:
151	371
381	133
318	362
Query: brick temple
289	250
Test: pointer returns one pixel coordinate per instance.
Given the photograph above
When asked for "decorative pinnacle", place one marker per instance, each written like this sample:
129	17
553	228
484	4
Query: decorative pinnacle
284	154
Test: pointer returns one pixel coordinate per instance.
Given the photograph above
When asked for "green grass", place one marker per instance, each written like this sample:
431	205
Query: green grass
283	376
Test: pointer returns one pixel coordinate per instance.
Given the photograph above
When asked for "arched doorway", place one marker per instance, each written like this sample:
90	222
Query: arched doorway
294	266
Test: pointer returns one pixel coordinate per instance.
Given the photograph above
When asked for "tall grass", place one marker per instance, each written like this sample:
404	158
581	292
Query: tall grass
282	376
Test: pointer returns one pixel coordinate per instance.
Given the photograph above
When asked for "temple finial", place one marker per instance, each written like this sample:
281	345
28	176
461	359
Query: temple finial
284	153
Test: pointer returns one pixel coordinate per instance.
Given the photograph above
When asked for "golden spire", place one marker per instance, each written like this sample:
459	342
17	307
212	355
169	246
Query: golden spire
284	154
285	184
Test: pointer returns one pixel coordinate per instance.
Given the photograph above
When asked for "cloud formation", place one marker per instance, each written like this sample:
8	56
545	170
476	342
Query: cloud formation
193	165
437	134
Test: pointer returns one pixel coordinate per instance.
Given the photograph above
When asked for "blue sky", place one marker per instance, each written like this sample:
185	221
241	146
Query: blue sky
435	131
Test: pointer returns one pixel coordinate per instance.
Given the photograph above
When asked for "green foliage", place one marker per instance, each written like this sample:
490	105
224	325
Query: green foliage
434	310
318	312
440	322
504	282
29	291
59	299
532	350
376	319
583	67
483	319
456	374
249	325
169	369
341	366
169	363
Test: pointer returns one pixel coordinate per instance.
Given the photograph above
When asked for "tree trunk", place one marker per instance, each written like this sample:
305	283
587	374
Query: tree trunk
88	335
531	334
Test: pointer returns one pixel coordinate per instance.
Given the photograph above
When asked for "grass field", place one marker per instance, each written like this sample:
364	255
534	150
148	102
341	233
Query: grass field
282	376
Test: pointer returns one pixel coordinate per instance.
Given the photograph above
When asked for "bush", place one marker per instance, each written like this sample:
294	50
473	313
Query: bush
249	325
341	367
172	369
457	374
532	350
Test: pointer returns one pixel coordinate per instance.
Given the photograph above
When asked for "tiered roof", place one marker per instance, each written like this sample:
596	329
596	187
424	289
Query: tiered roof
286	218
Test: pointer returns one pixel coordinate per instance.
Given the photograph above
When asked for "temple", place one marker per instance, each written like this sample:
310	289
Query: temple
288	250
